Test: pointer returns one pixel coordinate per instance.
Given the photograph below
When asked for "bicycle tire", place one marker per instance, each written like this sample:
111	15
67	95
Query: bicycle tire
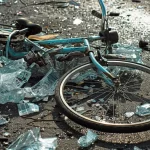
101	125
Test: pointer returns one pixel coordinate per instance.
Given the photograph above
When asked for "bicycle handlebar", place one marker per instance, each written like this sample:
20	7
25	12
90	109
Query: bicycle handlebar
96	14
23	31
99	15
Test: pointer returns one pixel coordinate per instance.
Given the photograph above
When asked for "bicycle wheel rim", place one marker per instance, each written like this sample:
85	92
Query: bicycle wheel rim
103	126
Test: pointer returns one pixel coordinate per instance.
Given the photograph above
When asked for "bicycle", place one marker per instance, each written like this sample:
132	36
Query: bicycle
106	95
124	84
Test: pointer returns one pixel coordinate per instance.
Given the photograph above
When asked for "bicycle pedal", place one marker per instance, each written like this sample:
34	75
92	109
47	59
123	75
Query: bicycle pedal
4	37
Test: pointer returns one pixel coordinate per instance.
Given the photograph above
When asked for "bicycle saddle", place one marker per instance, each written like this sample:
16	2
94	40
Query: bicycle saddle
22	23
42	37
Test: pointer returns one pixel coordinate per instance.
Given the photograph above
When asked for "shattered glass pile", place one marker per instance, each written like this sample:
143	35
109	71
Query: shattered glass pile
27	108
31	140
130	52
14	74
131	21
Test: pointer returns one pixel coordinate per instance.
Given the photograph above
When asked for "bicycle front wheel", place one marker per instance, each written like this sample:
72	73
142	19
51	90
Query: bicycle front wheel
86	98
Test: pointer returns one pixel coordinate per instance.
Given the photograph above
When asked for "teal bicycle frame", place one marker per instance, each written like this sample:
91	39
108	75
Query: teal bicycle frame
65	50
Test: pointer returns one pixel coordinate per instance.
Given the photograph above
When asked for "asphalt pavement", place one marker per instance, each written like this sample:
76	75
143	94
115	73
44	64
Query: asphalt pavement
132	24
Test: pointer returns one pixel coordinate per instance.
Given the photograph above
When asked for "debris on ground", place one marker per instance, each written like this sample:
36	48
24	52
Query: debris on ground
129	28
15	73
143	110
13	76
27	108
79	109
130	52
2	2
136	148
3	120
32	140
129	114
46	86
77	21
88	139
6	134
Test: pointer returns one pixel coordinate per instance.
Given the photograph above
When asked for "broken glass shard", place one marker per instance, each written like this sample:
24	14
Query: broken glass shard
46	86
31	140
88	75
72	2
143	110
63	5
88	139
27	108
3	120
48	143
13	75
97	118
101	100
86	87
15	96
136	148
78	109
131	52
13	80
12	65
2	2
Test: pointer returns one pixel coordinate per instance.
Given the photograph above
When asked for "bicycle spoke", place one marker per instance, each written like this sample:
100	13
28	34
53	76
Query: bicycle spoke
110	105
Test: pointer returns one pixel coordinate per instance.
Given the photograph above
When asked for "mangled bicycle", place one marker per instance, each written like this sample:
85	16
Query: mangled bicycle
107	93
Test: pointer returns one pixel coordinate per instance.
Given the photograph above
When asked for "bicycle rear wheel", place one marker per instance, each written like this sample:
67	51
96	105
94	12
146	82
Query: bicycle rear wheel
85	97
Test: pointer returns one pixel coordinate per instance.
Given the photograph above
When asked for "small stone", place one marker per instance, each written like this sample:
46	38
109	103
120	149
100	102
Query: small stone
65	118
76	7
129	114
89	102
19	13
5	143
77	21
45	99
97	105
6	134
97	118
42	129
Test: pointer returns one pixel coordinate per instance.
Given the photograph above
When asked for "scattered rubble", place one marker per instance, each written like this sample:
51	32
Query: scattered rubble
88	139
32	140
30	92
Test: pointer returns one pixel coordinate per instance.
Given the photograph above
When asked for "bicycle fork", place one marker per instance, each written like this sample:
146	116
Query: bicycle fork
105	74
